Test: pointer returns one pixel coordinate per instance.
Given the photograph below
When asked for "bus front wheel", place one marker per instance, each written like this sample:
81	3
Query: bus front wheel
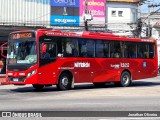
64	82
38	87
125	80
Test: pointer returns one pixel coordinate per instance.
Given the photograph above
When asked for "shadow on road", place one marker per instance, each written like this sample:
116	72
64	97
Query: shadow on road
31	89
87	86
144	84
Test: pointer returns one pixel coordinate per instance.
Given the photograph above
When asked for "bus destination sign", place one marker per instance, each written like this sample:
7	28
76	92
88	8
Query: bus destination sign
21	35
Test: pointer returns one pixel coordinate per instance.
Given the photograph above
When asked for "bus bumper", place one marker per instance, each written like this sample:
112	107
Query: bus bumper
22	80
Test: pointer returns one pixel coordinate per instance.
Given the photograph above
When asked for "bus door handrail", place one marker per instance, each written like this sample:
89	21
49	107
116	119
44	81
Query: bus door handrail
2	49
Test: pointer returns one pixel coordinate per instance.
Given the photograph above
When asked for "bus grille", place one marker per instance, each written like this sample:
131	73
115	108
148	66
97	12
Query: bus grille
18	79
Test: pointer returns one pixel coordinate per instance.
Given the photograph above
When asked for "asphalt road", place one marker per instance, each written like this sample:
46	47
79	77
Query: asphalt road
143	95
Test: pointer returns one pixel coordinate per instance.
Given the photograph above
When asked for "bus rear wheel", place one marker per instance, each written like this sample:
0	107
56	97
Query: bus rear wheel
38	86
125	80
64	82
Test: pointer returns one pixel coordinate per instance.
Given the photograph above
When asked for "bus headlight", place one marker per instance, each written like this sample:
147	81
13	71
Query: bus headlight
31	73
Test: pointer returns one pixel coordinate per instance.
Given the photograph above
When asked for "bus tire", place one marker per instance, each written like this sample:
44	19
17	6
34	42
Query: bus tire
38	86
99	84
125	79
64	82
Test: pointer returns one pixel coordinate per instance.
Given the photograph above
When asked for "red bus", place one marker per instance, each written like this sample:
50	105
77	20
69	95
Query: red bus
52	57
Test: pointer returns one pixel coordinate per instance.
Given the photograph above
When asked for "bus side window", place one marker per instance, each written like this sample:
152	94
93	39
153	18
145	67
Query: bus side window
90	48
86	48
83	52
48	50
69	47
151	50
74	50
130	50
102	49
140	55
115	49
143	50
132	53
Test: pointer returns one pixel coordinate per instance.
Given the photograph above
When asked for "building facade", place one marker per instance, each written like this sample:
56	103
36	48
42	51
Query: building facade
121	16
50	13
25	12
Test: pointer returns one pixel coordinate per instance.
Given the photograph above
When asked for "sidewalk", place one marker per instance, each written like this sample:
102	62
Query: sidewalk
2	79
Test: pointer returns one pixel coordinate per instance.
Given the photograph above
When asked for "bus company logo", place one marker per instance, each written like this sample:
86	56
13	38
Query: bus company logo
6	114
67	2
65	20
116	66
22	114
82	64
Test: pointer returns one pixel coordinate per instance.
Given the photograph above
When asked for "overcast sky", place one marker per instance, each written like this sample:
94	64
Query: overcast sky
144	8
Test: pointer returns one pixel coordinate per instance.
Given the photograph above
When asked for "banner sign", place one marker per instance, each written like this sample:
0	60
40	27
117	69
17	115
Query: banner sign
71	12
38	114
65	20
67	3
96	7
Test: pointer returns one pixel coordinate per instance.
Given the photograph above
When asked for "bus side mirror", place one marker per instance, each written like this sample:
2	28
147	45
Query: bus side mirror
44	48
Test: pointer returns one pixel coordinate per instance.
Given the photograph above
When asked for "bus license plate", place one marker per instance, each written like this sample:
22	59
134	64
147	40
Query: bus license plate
15	79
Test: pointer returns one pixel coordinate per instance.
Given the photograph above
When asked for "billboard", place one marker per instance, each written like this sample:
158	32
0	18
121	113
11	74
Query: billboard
97	9
123	1
71	12
65	12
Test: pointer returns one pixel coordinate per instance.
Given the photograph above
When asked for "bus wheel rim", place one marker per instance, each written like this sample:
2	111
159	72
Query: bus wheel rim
125	79
65	81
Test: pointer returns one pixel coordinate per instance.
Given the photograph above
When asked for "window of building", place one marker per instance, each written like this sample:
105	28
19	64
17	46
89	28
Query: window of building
113	13
120	13
134	15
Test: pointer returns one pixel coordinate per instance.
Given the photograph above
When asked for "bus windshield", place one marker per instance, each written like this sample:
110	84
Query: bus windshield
21	52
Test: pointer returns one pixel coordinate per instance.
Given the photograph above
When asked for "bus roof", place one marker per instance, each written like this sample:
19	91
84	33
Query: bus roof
89	34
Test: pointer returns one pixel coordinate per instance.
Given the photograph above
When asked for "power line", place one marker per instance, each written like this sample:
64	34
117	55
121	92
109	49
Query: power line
154	5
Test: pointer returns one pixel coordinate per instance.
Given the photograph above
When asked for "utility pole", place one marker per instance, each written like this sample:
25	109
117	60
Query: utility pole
139	21
86	12
148	30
